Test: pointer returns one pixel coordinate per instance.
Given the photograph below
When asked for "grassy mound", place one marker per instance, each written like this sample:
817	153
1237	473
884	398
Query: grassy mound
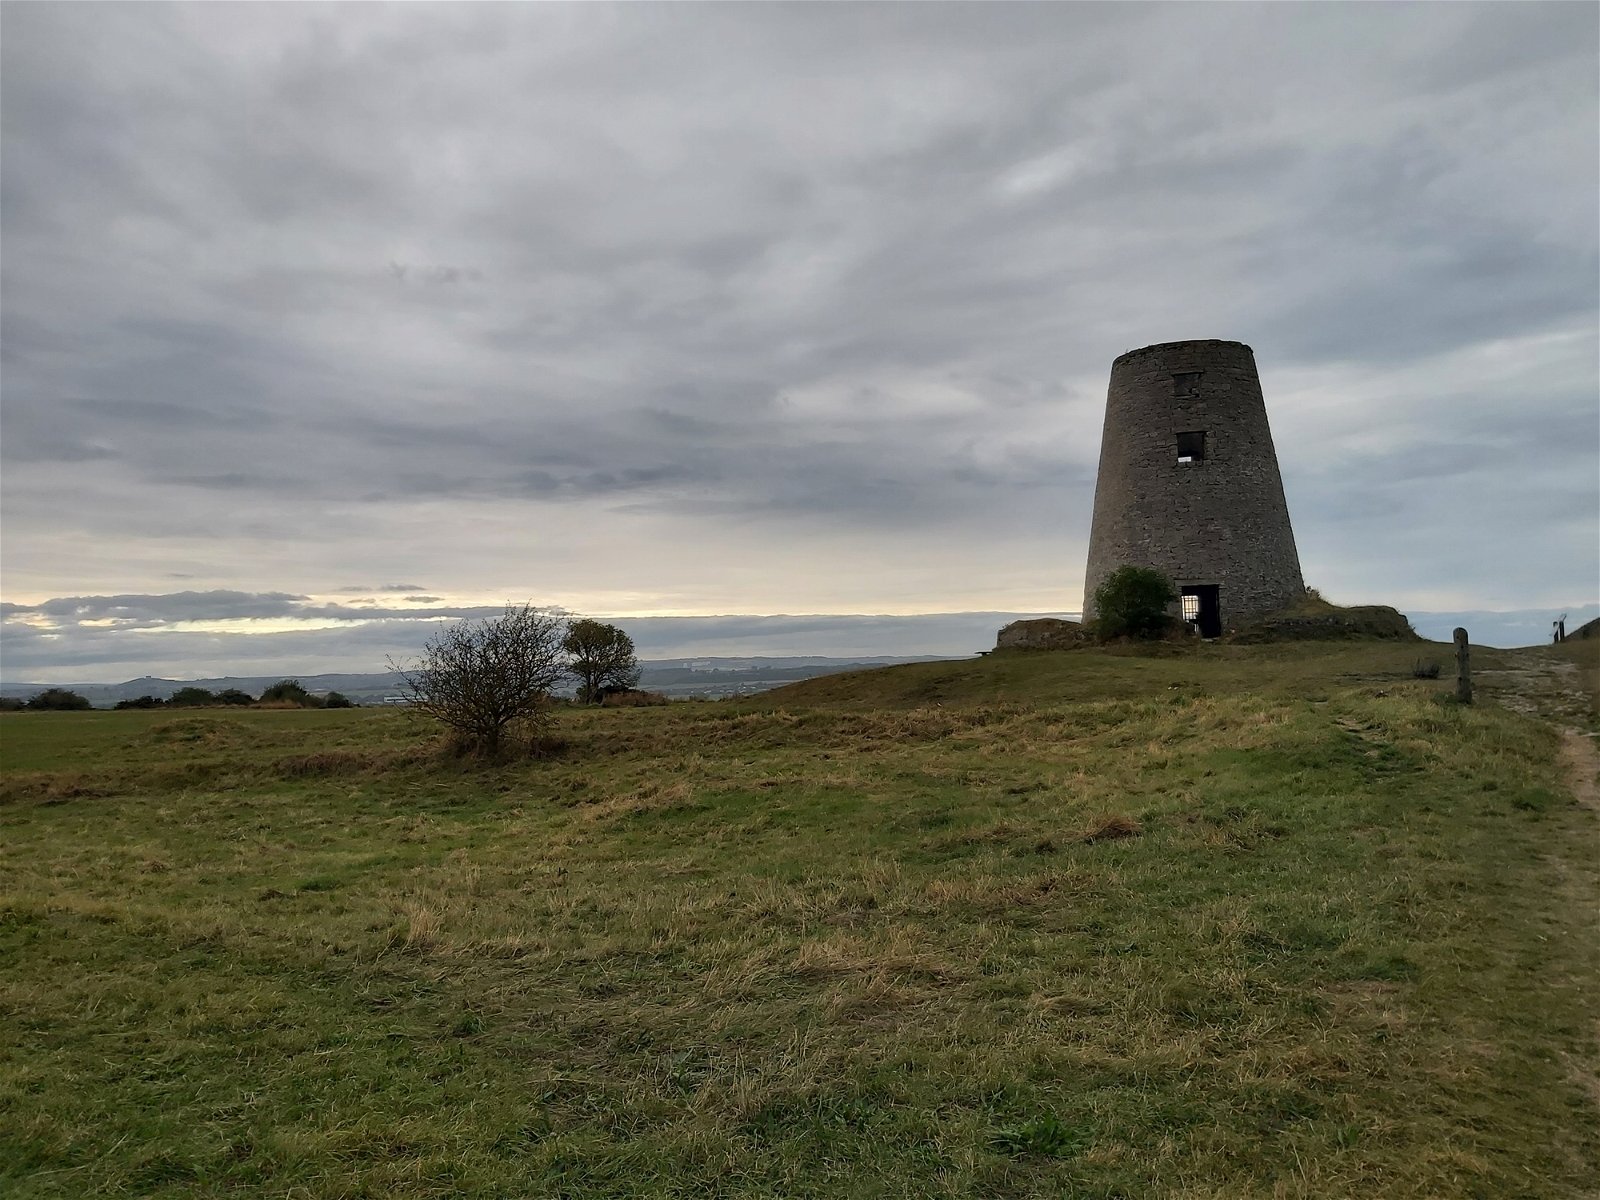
1042	633
1311	618
1246	921
1115	672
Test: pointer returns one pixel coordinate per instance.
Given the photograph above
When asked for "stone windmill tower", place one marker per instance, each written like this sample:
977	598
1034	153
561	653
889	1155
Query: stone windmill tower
1189	484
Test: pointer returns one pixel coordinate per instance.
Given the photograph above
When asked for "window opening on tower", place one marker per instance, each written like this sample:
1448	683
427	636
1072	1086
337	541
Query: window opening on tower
1192	446
1202	605
1186	385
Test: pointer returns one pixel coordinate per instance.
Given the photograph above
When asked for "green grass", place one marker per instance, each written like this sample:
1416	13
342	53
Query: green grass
1306	670
1040	925
139	741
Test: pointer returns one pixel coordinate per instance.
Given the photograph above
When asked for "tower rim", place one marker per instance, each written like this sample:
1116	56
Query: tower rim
1159	346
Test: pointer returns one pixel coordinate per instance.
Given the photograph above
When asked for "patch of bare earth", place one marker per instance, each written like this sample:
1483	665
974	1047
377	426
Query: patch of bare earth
1553	690
1580	761
1538	684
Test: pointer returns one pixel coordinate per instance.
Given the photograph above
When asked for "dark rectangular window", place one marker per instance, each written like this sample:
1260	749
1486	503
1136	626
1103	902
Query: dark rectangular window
1186	385
1192	446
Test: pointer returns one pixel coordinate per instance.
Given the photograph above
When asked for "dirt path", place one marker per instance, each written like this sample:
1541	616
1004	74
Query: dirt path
1538	682
1543	683
1580	759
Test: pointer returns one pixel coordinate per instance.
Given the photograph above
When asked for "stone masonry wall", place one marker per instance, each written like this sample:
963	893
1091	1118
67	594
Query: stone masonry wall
1041	633
1222	520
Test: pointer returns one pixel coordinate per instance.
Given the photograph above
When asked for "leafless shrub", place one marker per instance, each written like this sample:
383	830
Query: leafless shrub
489	681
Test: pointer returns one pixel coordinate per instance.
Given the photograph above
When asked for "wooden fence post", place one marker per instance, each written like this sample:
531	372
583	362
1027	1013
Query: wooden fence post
1463	668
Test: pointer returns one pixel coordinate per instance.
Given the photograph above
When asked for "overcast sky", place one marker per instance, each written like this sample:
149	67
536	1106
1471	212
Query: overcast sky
320	314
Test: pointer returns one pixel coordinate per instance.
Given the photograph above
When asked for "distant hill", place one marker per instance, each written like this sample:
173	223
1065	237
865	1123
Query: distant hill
680	677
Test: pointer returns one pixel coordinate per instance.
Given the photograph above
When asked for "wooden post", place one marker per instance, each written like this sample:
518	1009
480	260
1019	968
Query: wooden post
1463	669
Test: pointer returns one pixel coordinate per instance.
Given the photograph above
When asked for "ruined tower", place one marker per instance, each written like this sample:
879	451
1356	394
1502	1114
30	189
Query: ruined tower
1189	484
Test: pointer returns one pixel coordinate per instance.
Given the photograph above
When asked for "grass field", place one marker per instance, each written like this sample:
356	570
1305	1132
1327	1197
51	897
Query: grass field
1242	922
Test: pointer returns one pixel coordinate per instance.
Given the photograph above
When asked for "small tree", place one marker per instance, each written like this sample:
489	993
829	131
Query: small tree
602	660
234	696
289	691
192	697
480	677
337	700
58	700
1132	602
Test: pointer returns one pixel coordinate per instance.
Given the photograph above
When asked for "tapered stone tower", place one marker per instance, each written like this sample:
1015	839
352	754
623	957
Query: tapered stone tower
1189	484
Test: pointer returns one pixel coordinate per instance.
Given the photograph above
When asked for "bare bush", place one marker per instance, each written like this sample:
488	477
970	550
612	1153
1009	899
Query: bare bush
489	681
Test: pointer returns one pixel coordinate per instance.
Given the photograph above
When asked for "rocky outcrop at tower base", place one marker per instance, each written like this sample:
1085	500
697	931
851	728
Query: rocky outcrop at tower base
1042	633
1318	621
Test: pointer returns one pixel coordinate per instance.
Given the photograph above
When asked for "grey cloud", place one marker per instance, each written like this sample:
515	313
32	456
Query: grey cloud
235	481
362	589
301	293
221	605
30	654
83	652
174	606
1435	293
1503	43
156	414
